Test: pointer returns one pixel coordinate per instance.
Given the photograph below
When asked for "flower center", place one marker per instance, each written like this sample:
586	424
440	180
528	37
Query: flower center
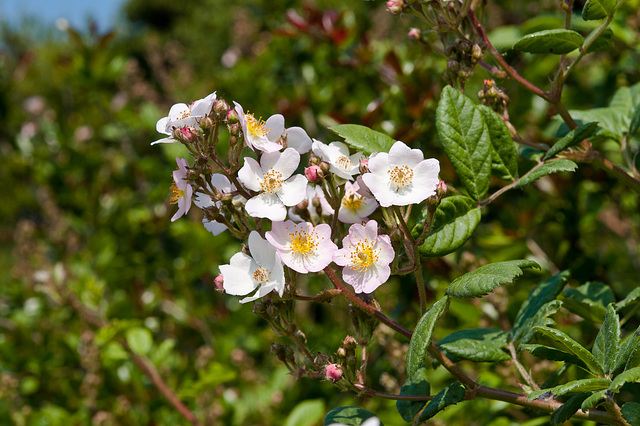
343	163
272	181
177	193
303	243
352	201
401	176
255	126
261	275
363	256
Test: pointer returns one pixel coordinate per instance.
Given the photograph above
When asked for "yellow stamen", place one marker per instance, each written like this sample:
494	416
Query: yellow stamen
401	176
303	243
255	126
272	181
352	201
177	193
363	256
261	275
344	163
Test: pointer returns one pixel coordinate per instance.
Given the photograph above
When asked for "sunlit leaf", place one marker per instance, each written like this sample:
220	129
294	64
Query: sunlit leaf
422	336
450	395
558	42
478	345
483	280
363	138
562	165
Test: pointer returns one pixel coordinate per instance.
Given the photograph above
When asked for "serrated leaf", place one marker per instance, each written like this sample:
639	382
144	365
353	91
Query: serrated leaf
589	300
627	348
465	138
306	413
561	165
607	343
139	340
593	400
553	354
450	395
603	42
584	385
569	408
631	375
484	279
631	298
455	220
631	413
558	42
572	138
363	138
478	345
543	293
422	336
597	9
563	342
352	416
504	155
415	386
540	318
634	125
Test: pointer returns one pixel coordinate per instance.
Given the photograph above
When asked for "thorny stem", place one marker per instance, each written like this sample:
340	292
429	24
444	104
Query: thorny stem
614	410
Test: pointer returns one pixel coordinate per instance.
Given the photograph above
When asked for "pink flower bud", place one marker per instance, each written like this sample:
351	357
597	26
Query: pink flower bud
364	166
415	34
441	189
187	134
333	371
314	174
219	281
395	7
232	116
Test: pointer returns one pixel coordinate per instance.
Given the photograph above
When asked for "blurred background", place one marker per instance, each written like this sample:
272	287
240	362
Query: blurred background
89	257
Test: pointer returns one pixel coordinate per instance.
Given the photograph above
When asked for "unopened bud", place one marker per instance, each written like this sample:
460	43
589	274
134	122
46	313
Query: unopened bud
341	352
302	205
282	140
206	122
350	342
314	174
364	166
395	7
221	107
232	117
235	129
314	160
192	175
333	372
415	34
476	52
441	189
325	167
299	333
219	282
233	140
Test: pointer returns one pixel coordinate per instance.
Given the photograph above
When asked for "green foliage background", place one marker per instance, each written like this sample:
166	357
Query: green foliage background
86	209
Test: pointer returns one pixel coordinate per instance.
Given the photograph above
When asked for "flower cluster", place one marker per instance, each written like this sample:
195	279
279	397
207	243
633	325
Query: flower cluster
292	216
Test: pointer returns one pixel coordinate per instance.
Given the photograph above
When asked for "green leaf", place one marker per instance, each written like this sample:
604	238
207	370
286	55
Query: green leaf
597	9
540	318
306	413
563	342
584	385
552	354
627	348
504	155
569	408
139	340
631	413
631	298
558	42
422	336
593	401
634	125
363	138
589	300
465	138
572	138
607	343
631	375
416	386
450	395
478	345
484	279
561	165
454	221
352	416
603	42
543	293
